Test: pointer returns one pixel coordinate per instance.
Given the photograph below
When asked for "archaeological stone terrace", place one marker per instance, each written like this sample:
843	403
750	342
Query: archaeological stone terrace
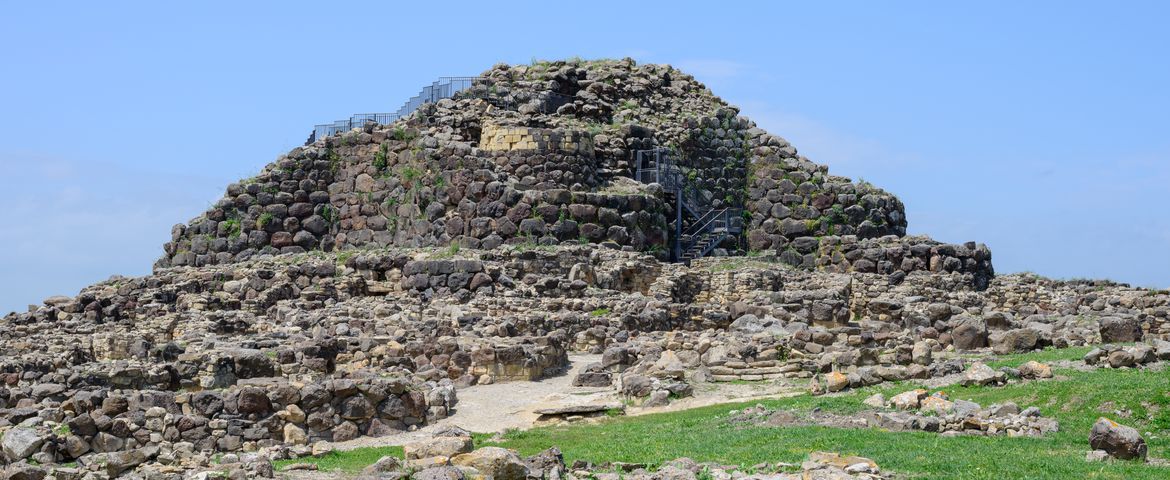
356	285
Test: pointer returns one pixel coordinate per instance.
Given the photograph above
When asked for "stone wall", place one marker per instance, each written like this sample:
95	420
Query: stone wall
285	210
714	158
385	187
245	417
510	138
787	200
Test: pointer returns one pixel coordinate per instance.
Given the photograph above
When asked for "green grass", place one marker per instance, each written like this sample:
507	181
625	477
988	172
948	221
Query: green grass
349	461
704	434
1043	356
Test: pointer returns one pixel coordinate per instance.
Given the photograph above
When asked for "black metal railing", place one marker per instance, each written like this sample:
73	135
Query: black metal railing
709	225
444	87
708	232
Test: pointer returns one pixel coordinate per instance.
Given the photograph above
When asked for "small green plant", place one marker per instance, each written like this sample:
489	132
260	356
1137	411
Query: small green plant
62	430
600	312
334	160
265	219
451	251
401	134
837	213
328	213
409	175
232	225
380	158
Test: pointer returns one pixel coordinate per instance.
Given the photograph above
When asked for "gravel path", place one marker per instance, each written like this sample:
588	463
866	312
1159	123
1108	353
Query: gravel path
502	406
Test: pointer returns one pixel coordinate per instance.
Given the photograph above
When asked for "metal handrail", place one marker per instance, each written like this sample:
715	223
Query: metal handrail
444	87
711	245
666	173
700	226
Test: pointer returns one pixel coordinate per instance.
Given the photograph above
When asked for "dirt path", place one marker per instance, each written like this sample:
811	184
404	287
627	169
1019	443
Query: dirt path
502	406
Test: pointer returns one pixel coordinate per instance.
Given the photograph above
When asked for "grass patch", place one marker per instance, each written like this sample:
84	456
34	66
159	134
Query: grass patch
349	461
704	435
1047	355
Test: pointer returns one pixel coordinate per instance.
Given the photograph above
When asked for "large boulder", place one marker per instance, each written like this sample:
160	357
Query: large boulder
637	385
593	376
836	381
908	400
438	473
1014	341
981	374
1121	359
23	471
1034	370
253	400
294	435
1120	329
118	462
20	443
207	403
547	464
385	464
251	363
445	446
357	407
1119	441
494	462
668	366
969	333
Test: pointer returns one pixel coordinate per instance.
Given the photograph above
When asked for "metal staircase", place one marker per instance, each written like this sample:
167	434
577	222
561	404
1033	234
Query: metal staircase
705	227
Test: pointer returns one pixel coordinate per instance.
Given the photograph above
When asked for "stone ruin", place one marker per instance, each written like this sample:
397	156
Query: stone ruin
356	284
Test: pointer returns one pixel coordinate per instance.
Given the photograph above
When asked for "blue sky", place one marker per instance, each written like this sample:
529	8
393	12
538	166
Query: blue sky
1039	128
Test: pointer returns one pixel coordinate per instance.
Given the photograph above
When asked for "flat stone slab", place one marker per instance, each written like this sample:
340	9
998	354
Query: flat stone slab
579	409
